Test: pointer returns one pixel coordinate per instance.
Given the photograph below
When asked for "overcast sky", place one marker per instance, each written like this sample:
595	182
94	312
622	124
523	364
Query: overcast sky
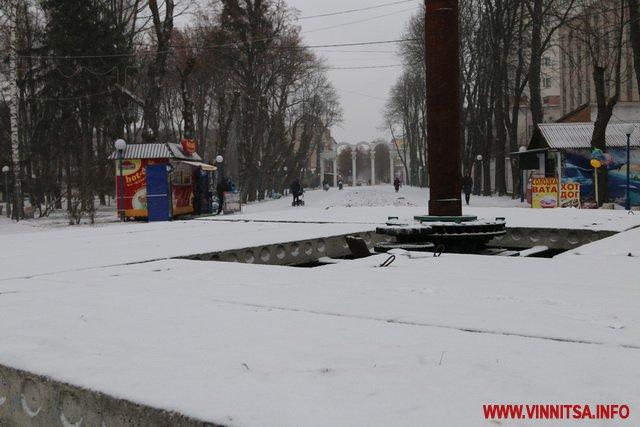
362	92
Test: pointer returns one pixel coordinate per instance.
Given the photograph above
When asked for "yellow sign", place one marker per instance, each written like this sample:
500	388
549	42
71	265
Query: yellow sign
544	193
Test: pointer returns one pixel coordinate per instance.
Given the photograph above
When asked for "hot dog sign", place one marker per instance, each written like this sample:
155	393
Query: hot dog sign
544	193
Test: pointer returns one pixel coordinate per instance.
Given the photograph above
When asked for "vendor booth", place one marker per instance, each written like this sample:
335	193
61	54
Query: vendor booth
162	181
558	165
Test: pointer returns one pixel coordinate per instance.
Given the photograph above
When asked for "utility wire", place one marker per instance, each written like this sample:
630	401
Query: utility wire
354	10
123	55
358	21
360	94
365	67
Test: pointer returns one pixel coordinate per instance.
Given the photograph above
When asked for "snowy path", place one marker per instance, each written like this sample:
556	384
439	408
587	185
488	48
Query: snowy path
425	341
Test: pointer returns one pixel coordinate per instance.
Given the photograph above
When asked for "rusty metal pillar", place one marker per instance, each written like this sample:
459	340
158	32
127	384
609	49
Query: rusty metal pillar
443	106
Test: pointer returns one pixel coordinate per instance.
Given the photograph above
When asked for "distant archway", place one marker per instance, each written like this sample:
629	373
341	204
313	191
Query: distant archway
333	156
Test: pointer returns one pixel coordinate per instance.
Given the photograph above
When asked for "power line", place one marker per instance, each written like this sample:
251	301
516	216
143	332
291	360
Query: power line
360	94
123	55
72	98
359	21
365	67
355	10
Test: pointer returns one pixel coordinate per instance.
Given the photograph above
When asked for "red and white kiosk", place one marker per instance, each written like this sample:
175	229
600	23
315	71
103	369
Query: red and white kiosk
162	181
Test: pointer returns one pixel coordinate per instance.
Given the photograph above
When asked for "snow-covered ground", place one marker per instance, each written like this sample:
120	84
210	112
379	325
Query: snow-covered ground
425	341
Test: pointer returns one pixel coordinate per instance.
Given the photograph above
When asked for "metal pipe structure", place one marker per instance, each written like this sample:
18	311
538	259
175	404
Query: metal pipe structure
443	106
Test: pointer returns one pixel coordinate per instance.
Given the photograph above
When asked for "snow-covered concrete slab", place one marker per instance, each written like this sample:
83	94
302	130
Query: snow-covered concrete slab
625	244
350	344
46	251
425	341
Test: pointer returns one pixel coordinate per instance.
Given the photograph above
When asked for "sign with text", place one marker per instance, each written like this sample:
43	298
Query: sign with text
570	195
544	193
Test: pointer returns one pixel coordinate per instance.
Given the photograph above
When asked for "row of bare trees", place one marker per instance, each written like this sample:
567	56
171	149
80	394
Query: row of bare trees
503	43
238	80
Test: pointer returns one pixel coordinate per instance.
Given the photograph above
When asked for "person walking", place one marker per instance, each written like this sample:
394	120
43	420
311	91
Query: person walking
396	183
467	185
296	190
220	189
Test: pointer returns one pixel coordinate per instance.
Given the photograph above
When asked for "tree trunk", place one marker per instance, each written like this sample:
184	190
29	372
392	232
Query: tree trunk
534	66
157	70
634	28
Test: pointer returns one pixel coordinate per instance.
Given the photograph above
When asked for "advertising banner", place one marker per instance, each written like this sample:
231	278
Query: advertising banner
570	195
544	193
135	186
576	167
182	188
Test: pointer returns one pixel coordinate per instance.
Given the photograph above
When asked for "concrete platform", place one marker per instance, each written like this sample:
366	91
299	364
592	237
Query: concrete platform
103	327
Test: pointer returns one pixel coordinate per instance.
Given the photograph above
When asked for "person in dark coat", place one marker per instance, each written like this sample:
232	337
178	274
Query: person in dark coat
220	189
396	183
467	186
296	190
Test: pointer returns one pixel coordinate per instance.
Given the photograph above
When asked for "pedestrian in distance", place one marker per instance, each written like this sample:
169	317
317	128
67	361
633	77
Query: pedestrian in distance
223	185
467	185
396	184
296	190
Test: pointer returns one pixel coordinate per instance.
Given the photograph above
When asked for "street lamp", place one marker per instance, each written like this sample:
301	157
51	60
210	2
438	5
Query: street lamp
478	174
170	188
5	171
260	195
219	160
284	179
628	129
523	185
121	146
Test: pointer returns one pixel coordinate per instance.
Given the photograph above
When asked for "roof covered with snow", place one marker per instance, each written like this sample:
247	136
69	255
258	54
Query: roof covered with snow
578	135
155	151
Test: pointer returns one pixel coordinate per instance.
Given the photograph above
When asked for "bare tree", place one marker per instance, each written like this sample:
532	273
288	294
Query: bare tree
598	29
163	27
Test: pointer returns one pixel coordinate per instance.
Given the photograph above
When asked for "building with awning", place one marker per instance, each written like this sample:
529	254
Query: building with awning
162	180
563	151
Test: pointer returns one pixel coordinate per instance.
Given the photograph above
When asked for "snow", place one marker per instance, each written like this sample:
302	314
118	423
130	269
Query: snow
425	341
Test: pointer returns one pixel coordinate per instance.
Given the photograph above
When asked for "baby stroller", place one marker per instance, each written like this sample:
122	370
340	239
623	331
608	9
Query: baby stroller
298	199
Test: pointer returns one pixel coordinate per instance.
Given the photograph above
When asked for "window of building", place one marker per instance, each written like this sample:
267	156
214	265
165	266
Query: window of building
546	61
546	82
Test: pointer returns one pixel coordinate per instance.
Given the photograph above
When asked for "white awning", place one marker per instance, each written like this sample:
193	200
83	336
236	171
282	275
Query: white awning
204	166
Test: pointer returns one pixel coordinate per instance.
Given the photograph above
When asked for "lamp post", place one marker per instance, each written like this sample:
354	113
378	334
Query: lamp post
121	146
5	171
523	185
219	185
170	188
260	195
478	177
219	160
628	130
284	179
